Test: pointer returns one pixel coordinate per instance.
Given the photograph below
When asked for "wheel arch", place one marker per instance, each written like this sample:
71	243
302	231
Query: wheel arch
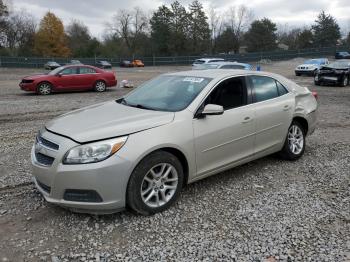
177	153
303	122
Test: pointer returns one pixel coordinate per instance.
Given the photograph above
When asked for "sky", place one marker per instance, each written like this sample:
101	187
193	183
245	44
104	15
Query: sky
96	13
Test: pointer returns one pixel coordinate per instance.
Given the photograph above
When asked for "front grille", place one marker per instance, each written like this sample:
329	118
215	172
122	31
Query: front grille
80	195
27	81
44	159
44	187
47	143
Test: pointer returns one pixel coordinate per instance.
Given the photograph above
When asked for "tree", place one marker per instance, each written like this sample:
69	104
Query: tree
50	40
179	23
20	33
226	40
305	39
348	40
199	33
261	36
160	30
238	22
215	23
326	30
79	39
130	25
4	12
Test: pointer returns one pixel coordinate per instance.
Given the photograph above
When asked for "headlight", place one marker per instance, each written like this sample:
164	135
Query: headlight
94	152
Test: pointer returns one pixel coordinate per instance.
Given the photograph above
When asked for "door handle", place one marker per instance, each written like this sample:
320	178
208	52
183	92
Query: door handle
247	119
286	108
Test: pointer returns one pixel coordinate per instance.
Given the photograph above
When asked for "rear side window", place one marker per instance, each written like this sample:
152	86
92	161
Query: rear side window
86	70
264	88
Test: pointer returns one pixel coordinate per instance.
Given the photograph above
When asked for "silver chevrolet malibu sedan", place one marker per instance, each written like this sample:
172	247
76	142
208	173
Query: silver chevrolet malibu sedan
140	150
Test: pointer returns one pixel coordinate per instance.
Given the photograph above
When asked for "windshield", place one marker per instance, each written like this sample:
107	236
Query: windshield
166	93
56	71
340	64
312	62
199	61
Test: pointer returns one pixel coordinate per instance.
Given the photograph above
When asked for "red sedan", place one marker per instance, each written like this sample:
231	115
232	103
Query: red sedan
69	78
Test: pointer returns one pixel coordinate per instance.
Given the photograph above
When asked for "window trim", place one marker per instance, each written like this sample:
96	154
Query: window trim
249	94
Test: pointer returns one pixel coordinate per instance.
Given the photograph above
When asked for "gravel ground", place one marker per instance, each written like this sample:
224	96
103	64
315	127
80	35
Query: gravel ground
267	210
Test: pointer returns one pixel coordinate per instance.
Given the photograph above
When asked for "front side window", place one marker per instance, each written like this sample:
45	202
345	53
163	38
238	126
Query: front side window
69	71
166	93
230	93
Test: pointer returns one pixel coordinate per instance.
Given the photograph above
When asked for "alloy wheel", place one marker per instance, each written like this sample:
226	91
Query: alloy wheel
295	139
159	185
100	86
44	89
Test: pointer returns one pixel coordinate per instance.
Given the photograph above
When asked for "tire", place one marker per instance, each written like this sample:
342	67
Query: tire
292	149
147	193
100	86
345	81
317	83
44	88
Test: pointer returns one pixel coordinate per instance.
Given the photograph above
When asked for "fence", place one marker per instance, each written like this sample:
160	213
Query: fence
38	62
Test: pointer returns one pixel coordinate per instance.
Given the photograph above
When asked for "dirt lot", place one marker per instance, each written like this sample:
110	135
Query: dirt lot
267	209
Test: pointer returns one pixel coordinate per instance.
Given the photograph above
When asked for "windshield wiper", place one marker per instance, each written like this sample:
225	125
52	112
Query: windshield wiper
141	106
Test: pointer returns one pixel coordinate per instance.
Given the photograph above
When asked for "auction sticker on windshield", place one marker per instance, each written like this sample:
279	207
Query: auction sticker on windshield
193	79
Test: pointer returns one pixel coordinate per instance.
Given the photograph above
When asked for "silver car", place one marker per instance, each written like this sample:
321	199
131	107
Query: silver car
140	150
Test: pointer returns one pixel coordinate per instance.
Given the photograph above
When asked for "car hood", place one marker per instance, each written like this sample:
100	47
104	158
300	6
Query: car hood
308	65
106	120
33	77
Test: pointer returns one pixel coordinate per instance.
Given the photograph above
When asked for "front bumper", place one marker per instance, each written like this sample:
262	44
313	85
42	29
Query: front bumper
108	178
304	72
28	87
328	79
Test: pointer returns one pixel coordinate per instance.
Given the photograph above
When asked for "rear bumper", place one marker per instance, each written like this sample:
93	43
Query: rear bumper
328	79
312	121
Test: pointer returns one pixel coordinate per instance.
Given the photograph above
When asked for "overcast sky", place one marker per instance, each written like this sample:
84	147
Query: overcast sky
95	13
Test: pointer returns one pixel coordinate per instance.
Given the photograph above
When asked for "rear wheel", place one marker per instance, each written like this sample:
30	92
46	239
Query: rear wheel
100	86
44	88
294	146
155	183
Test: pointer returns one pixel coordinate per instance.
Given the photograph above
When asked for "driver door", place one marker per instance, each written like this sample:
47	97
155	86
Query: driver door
223	140
66	79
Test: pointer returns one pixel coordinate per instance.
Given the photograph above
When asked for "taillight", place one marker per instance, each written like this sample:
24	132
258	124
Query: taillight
314	93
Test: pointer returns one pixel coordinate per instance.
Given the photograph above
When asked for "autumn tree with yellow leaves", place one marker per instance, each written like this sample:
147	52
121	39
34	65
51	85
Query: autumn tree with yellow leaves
51	40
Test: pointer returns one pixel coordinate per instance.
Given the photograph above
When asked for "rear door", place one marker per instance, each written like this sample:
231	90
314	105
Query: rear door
221	140
273	112
86	77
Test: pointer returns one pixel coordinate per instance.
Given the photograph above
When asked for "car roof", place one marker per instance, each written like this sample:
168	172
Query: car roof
210	58
219	74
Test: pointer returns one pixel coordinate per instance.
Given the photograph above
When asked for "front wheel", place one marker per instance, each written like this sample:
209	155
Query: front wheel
100	86
155	183
294	146
44	88
345	81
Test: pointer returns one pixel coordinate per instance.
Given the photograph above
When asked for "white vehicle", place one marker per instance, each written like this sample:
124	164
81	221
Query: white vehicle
203	61
310	67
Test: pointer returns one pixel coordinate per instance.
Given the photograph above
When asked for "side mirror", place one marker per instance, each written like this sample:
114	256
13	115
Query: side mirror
59	74
211	109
